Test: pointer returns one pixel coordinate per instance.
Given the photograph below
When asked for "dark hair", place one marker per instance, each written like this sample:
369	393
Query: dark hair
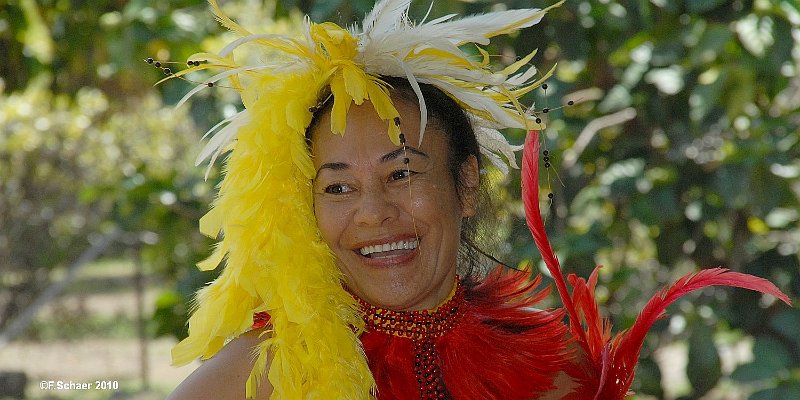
447	115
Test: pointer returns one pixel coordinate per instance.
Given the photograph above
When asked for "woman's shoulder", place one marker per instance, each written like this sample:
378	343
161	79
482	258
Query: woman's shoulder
224	376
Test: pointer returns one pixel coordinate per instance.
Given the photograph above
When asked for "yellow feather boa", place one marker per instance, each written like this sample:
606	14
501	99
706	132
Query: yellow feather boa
275	258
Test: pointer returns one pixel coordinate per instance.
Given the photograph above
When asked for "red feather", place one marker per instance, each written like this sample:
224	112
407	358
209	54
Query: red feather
530	200
626	345
606	367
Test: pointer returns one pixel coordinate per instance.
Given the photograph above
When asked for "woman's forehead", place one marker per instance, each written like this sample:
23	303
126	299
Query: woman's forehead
366	132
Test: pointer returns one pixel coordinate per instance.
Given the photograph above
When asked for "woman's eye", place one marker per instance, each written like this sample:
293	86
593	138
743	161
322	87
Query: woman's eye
401	174
338	188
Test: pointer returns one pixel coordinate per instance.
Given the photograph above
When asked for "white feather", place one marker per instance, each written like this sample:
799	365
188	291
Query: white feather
427	14
522	78
442	18
492	141
477	100
386	63
212	130
423	108
392	46
474	29
220	141
484	26
495	160
307	32
385	16
379	45
429	66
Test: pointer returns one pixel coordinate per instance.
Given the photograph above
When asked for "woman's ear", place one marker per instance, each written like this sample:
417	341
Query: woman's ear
471	181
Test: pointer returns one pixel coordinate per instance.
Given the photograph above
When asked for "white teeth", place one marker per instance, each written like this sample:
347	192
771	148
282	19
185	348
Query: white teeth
405	244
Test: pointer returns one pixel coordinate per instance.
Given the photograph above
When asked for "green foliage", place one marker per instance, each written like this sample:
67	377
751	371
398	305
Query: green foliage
74	168
681	152
87	146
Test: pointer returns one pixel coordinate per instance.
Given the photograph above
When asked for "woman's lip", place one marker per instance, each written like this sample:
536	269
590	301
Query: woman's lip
388	261
395	259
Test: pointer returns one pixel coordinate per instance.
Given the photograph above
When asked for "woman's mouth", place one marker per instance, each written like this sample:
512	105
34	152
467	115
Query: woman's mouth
389	249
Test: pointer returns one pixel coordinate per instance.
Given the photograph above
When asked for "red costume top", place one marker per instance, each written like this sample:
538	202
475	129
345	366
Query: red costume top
486	342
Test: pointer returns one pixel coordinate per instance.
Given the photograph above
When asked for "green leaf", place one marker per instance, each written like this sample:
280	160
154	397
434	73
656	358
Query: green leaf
704	367
740	92
705	97
711	44
654	207
751	372
788	323
701	6
771	357
648	378
782	392
170	314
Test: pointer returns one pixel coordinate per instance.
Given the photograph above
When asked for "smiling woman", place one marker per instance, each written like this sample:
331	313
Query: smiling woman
393	217
348	201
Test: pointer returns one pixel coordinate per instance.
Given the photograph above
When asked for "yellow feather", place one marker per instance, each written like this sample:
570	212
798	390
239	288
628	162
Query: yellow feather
211	223
225	21
507	71
212	261
341	104
355	82
485	54
435	53
381	101
338	43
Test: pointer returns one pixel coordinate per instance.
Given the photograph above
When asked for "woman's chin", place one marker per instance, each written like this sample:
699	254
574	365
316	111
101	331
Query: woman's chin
400	292
390	294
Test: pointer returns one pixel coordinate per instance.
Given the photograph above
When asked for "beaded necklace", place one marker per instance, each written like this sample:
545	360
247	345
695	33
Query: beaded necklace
422	327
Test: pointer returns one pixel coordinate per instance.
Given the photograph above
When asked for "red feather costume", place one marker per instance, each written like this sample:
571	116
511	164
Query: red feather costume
489	342
499	347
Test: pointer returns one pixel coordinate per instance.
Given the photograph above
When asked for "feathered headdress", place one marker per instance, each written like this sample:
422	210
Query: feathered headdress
276	261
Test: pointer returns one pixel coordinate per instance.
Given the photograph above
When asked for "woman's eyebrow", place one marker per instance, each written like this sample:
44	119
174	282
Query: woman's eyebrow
392	155
335	166
396	153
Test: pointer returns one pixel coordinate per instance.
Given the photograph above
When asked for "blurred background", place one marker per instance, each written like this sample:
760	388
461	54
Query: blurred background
681	152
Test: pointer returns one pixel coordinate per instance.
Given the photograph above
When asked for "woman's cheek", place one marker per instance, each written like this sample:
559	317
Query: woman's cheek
333	219
324	223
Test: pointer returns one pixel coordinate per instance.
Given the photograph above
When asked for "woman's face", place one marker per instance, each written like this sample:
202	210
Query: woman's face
395	234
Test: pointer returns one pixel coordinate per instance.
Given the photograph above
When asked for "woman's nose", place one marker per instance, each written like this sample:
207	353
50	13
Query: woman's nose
375	207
